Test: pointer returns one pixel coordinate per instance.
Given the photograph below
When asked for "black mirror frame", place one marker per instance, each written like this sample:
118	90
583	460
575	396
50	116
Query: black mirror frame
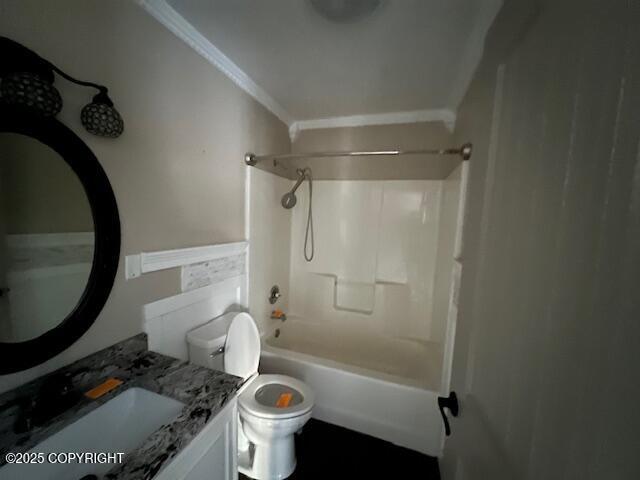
19	356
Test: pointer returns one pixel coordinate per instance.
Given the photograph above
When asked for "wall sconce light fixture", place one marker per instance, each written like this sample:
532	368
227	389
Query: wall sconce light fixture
26	80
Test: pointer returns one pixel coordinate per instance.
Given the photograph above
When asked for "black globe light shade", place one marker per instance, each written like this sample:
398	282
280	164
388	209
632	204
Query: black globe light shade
100	118
26	81
27	89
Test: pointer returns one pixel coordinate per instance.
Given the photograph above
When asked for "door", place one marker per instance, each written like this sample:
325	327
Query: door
547	337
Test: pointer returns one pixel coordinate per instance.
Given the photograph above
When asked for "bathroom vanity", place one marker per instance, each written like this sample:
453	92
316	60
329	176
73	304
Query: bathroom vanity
173	420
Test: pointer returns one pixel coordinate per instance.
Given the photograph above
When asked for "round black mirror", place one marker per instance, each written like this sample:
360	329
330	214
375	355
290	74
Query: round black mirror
59	238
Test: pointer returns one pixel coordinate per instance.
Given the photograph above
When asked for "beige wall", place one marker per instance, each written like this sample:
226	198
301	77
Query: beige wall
546	357
177	170
377	137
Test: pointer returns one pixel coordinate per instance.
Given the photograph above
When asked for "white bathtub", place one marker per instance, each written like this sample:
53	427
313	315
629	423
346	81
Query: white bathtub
378	385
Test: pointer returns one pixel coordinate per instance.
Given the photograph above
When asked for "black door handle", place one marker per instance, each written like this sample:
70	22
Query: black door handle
450	402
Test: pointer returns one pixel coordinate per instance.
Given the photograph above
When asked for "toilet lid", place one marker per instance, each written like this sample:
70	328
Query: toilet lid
242	347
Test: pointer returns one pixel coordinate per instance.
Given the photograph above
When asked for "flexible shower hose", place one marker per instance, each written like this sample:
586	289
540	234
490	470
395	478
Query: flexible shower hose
309	257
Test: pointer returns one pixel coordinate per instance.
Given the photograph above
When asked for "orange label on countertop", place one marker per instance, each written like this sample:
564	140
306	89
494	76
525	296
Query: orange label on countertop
103	388
284	400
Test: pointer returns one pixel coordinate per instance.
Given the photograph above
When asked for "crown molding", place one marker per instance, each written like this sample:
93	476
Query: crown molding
178	25
448	117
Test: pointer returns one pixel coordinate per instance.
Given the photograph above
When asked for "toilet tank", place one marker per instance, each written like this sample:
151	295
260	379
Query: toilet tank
205	340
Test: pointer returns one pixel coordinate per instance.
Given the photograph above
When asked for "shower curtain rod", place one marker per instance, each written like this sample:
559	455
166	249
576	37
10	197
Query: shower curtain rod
464	152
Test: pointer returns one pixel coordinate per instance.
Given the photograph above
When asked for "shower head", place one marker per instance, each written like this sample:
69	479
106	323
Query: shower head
289	199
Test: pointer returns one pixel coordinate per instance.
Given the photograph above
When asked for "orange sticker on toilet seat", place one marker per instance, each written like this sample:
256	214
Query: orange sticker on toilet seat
284	400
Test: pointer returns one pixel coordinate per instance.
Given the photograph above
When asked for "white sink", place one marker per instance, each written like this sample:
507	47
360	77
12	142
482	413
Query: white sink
120	425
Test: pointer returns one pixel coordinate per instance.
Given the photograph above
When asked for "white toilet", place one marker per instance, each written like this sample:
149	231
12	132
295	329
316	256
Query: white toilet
272	408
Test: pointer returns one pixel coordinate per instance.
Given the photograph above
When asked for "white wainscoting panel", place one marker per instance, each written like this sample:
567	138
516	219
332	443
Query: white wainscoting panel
167	321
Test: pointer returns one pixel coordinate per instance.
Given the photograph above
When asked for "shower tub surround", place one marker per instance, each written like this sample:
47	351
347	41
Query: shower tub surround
369	383
371	320
204	392
380	249
397	360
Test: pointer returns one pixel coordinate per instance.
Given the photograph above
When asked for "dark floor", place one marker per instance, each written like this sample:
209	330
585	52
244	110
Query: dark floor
330	452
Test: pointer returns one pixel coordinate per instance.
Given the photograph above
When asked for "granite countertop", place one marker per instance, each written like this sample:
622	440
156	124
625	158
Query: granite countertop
203	391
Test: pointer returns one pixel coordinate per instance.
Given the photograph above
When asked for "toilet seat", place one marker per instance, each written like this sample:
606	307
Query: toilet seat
249	404
241	357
